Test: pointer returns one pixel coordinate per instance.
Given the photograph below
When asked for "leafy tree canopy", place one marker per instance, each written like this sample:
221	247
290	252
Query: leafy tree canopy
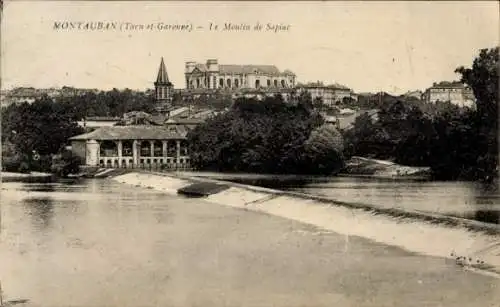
263	136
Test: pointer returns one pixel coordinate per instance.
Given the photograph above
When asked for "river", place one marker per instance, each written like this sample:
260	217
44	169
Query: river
101	243
468	200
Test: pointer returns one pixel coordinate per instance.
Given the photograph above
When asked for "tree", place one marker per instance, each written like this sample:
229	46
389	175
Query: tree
257	136
457	143
324	149
483	79
41	128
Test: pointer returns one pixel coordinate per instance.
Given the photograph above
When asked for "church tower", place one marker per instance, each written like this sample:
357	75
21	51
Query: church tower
164	89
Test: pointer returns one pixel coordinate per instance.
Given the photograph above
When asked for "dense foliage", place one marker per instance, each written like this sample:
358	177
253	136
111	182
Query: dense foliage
456	143
31	133
266	136
107	103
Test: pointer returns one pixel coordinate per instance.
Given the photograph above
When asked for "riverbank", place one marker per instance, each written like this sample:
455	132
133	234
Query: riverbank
32	176
374	168
428	234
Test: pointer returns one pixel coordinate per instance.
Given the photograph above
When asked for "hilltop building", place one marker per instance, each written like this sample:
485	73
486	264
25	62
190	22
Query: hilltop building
212	75
329	94
454	92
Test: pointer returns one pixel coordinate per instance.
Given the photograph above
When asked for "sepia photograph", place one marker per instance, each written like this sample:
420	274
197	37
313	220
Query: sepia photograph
249	154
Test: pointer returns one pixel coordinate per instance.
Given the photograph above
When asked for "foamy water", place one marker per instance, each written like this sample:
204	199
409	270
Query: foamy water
413	235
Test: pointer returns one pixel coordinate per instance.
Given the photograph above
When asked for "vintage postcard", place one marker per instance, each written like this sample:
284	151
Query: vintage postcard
238	153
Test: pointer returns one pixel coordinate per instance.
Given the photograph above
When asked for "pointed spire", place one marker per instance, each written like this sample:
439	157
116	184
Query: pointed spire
162	73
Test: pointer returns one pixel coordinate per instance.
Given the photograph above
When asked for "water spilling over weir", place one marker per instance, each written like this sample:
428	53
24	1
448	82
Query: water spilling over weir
470	243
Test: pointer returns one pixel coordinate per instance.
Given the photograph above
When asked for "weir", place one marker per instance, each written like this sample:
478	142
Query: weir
472	244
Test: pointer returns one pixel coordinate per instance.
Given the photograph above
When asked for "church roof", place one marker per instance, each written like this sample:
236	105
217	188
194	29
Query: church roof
134	133
246	69
162	74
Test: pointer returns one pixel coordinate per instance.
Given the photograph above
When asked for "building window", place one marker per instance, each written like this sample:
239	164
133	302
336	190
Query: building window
145	149
221	83
228	83
236	83
108	149
268	83
275	83
158	149
171	148
127	150
257	83
283	83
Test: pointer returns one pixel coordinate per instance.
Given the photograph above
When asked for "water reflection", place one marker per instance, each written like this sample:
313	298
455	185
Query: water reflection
489	216
41	211
487	201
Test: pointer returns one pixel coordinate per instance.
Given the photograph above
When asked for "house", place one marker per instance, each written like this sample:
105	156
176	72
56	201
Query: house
454	92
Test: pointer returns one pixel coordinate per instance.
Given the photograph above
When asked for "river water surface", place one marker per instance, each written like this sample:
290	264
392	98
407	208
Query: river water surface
468	200
101	243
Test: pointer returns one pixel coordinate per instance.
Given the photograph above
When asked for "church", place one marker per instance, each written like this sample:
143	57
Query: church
212	75
164	89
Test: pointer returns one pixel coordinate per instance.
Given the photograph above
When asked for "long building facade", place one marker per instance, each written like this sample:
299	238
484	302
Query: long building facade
329	94
133	147
212	75
454	92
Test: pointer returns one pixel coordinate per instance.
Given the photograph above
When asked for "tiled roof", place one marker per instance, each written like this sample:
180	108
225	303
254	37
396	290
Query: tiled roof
246	69
447	84
134	133
322	85
249	69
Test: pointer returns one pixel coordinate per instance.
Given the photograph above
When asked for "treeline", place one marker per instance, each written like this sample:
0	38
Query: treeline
268	136
456	143
32	133
112	103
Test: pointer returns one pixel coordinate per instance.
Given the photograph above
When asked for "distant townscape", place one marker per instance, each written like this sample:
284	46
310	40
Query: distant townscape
251	81
252	118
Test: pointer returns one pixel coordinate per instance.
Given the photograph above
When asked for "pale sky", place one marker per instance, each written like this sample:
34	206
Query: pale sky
389	46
